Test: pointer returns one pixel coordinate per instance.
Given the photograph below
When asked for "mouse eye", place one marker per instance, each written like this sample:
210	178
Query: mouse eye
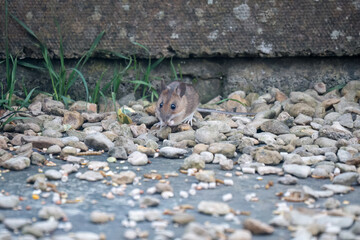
161	104
173	106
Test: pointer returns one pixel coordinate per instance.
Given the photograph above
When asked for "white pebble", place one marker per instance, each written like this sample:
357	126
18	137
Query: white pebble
229	217
56	197
227	197
193	186
183	194
212	185
151	190
228	182
203	185
167	194
37	192
248	170
64	178
192	192
337	171
228	174
130	234
159	224
250	196
128	224
191	171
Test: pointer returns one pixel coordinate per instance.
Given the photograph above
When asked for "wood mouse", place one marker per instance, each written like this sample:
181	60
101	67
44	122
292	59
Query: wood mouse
178	102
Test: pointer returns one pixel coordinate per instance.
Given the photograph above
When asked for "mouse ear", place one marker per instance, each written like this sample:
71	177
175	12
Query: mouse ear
181	89
162	86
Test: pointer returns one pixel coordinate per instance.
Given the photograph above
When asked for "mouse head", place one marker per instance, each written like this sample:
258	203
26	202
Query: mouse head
171	106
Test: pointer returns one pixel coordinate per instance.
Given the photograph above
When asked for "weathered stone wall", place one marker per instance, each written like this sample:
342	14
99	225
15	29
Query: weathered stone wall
223	45
185	28
217	76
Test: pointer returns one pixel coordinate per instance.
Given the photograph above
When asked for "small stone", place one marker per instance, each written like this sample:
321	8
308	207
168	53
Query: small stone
347	178
332	203
338	189
66	151
48	132
279	221
118	152
207	156
257	227
52	174
183	218
317	194
125	177
54	149
98	141
42	142
213	208
193	161
346	120
320	87
180	136
52	211
267	156
163	187
74	119
17	163
207	135
288	180
172	152
226	164
37	158
15	224
97	165
91	176
82	106
240	234
93	117
335	131
200	148
138	159
226	149
137	130
101	217
205	176
70	168
22	127
86	235
45	227
149	201
300	171
302	119
136	215
275	127
265	170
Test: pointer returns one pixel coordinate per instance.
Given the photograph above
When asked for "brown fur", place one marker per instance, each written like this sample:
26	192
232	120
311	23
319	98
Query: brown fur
183	96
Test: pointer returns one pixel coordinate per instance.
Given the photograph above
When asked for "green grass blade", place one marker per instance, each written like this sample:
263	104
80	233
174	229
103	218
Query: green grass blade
93	46
32	66
84	82
25	27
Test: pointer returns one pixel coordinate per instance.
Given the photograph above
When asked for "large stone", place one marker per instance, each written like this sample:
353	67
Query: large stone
226	149
98	141
267	156
42	142
275	127
17	163
300	171
74	119
213	208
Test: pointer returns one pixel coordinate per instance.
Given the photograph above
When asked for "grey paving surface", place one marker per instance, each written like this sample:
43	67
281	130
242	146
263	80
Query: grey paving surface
79	213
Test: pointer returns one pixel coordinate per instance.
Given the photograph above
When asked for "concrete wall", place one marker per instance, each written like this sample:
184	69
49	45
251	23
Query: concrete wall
184	28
